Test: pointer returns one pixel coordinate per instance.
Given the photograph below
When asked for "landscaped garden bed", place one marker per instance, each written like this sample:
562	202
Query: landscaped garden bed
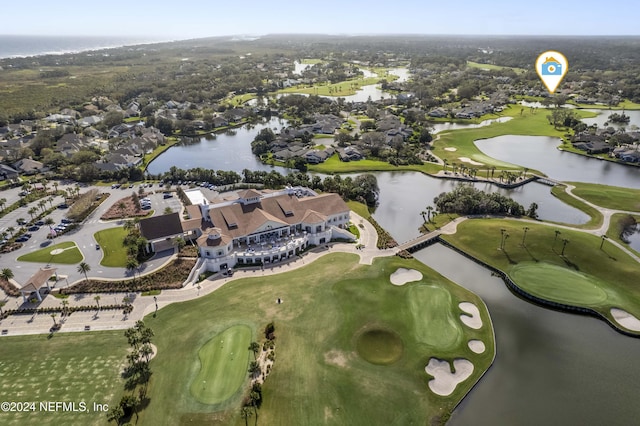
125	207
171	276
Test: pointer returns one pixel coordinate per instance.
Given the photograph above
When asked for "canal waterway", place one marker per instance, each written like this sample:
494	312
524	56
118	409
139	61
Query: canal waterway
551	368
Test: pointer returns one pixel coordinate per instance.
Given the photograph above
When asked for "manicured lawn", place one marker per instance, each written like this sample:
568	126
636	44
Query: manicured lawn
110	241
334	165
445	329
528	123
223	365
626	104
318	376
611	197
596	217
610	269
71	367
69	255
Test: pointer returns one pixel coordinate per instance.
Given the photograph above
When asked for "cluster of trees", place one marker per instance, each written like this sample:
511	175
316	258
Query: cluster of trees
627	226
216	177
135	245
468	200
137	373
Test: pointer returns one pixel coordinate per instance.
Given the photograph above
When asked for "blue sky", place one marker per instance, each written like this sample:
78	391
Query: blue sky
180	19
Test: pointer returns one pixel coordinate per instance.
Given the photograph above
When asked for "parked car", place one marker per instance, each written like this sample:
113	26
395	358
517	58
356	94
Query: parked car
22	239
63	206
97	246
33	228
21	221
40	223
66	221
167	195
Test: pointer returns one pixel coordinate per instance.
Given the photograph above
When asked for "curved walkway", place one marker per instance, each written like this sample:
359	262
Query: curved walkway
144	305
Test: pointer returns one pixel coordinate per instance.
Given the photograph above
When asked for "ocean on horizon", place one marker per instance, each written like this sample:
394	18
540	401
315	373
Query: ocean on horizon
12	46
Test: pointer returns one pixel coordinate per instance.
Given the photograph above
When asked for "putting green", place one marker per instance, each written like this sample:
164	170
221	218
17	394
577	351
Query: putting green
558	284
223	365
433	318
380	347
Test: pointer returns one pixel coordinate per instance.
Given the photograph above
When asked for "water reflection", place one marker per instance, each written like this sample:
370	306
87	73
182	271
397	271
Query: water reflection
441	127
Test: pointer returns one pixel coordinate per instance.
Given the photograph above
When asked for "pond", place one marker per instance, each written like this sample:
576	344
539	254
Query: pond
633	238
541	153
551	368
224	151
603	117
444	126
403	195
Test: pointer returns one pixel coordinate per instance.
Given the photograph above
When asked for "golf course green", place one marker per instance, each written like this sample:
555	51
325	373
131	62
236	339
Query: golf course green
434	323
558	284
223	365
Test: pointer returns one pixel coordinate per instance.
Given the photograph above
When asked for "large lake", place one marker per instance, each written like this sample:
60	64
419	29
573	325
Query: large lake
540	153
224	151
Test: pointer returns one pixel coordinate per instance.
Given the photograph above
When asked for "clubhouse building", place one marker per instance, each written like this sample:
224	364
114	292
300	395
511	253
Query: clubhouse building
261	228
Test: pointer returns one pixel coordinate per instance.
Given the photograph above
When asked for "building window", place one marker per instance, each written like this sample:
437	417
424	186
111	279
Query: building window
207	253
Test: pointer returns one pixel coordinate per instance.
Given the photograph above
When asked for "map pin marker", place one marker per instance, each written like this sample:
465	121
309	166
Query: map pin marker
552	66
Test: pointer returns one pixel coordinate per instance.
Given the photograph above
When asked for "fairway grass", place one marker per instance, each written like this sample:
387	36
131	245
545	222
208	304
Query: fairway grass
541	269
71	367
610	197
223	365
318	376
67	253
110	240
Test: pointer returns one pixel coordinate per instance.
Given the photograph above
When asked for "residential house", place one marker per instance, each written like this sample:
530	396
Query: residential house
349	153
28	166
7	172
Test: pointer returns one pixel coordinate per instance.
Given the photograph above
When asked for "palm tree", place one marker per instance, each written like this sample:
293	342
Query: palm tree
429	210
42	204
564	244
556	237
122	207
604	237
53	317
525	229
31	211
246	413
3	202
55	185
254	368
2	303
65	307
444	165
83	268
132	264
423	214
48	221
254	347
6	274
503	232
97	299
50	200
11	230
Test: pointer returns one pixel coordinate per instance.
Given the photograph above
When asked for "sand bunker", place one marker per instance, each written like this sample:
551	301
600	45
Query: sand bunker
474	321
470	161
450	148
403	275
444	382
55	251
625	319
477	346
